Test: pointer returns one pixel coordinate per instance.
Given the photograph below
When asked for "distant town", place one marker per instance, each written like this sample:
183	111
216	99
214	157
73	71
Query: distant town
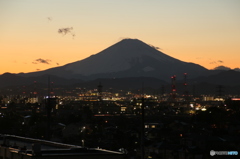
136	124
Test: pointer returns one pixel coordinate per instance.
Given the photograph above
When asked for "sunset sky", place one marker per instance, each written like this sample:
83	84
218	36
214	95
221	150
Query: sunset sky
206	32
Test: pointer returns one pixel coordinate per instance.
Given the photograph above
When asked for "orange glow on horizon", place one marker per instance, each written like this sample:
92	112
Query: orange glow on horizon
29	31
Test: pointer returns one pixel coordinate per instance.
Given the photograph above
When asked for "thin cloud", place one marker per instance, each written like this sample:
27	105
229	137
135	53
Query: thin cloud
222	68
155	47
65	31
40	60
237	69
49	19
216	62
123	38
73	35
68	30
213	62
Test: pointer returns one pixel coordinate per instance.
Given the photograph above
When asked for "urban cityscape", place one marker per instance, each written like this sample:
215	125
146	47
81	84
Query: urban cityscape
135	124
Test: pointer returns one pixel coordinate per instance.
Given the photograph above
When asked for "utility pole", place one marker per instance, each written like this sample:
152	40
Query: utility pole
50	104
219	90
142	126
163	90
48	110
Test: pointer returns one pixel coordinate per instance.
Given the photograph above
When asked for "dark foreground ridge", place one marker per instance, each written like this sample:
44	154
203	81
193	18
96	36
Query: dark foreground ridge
16	147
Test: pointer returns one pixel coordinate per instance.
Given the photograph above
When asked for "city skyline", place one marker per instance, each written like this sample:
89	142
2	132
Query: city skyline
41	34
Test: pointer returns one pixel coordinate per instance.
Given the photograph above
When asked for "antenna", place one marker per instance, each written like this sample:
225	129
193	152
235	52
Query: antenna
48	86
100	91
24	91
52	88
35	89
185	93
173	87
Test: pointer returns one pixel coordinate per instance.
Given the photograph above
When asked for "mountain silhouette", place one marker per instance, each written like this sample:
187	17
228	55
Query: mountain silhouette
127	58
126	65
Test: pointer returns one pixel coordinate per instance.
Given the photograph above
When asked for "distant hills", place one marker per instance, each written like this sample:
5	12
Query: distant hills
127	65
228	78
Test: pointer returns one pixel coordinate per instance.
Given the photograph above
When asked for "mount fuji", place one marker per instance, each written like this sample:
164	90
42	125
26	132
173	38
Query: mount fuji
127	58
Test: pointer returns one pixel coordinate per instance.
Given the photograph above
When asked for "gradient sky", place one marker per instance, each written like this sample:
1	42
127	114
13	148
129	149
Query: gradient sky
206	32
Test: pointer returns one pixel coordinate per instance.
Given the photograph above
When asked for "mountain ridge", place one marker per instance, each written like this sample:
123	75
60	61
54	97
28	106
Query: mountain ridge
229	80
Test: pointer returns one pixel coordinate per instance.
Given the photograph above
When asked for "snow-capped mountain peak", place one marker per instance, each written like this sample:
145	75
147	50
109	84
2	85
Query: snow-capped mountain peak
118	57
